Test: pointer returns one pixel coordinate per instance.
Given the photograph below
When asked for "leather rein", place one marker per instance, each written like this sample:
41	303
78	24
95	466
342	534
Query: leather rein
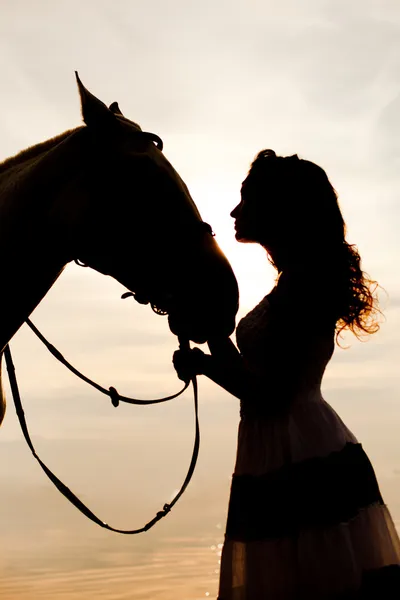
116	398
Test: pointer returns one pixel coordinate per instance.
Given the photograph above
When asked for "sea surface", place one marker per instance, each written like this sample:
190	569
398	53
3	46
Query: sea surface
125	463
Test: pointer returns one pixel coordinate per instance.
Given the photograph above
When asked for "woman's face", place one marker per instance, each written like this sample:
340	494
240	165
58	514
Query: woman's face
243	214
253	219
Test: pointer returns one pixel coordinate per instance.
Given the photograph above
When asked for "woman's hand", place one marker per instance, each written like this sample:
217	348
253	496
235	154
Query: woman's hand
224	366
189	363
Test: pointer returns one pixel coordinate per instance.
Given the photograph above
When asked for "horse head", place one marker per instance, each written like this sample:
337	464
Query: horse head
138	223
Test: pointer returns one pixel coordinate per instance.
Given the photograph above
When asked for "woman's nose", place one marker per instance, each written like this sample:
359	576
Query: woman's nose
235	212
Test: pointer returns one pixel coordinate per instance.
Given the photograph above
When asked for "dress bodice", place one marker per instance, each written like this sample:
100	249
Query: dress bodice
252	333
287	418
277	344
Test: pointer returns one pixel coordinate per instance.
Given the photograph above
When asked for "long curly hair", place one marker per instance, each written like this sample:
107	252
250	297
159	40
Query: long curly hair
296	196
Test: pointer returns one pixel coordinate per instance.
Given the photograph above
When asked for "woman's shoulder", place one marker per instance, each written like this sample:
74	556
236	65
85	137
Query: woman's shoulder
296	302
304	299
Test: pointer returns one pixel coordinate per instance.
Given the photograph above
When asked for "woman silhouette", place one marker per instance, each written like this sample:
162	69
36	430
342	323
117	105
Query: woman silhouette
306	520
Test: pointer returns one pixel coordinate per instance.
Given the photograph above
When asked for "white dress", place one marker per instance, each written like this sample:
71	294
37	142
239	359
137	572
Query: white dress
306	520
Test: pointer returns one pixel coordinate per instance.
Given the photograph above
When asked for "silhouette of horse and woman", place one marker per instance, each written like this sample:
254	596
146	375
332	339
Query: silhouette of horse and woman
306	519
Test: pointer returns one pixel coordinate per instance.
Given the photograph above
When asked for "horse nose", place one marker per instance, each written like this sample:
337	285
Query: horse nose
201	329
209	307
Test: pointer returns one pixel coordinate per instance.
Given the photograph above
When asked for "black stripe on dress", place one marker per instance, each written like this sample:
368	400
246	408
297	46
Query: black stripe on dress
315	493
377	584
381	584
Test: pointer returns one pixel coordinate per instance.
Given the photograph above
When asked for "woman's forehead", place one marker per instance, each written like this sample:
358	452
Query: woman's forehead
250	182
245	182
245	187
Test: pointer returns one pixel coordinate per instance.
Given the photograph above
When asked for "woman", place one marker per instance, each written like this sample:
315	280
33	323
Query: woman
306	520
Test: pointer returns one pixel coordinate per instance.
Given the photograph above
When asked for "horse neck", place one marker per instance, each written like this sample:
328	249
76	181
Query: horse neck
32	258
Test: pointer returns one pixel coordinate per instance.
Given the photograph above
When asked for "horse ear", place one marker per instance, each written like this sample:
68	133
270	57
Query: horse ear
94	111
115	109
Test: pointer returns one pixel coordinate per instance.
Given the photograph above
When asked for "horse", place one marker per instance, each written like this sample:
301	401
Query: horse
105	195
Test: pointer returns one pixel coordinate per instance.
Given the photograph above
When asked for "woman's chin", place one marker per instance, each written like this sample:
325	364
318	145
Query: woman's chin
242	239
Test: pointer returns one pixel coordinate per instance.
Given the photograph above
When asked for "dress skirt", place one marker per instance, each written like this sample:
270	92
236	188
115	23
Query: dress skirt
306	519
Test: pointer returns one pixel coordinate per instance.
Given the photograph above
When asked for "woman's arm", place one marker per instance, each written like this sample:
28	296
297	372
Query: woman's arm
224	366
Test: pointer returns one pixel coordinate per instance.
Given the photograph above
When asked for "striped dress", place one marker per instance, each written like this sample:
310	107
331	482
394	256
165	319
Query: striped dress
306	519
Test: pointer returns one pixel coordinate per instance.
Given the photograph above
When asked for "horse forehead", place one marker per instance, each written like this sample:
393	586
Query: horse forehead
164	167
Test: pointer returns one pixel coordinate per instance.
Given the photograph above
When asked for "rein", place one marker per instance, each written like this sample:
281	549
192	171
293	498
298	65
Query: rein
116	398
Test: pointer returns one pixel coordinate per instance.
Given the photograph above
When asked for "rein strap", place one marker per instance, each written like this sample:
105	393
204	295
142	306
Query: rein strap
115	399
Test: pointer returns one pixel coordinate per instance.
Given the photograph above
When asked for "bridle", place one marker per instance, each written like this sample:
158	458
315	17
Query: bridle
116	398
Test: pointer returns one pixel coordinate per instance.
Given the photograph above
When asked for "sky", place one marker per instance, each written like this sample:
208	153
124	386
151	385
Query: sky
218	81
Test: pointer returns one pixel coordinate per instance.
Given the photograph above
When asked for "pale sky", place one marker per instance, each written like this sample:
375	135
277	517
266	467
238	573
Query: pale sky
218	81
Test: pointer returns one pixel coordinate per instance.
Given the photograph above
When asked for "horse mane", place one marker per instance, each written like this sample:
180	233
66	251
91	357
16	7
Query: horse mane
35	150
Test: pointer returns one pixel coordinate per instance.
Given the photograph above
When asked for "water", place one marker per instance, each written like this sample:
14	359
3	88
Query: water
50	550
126	463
